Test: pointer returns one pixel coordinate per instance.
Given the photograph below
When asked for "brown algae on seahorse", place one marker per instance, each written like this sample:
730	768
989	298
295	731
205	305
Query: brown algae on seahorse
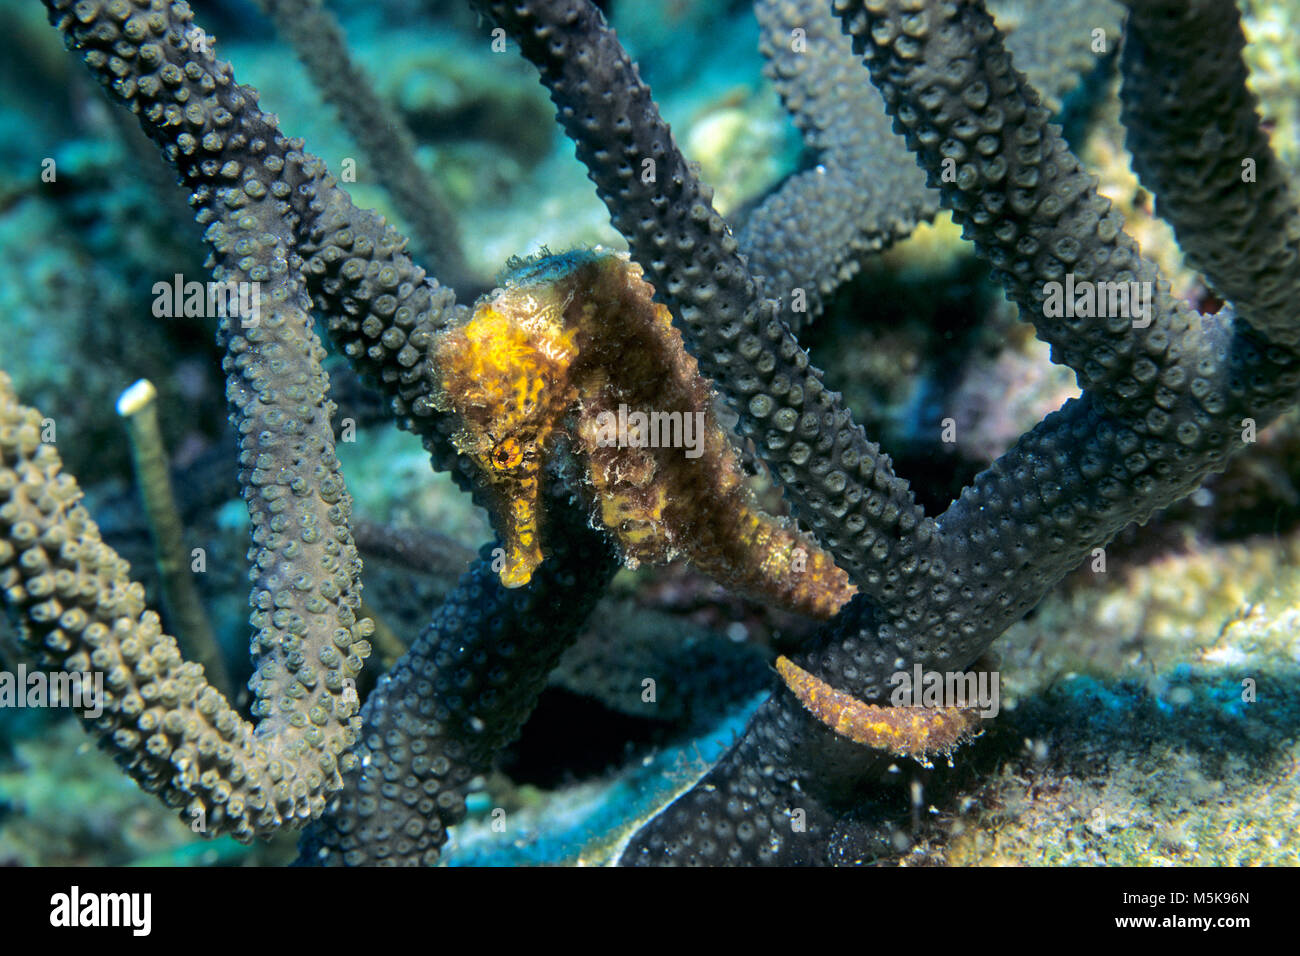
573	344
903	731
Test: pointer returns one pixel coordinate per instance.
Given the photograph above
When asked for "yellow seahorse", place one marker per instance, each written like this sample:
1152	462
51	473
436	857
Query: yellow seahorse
573	344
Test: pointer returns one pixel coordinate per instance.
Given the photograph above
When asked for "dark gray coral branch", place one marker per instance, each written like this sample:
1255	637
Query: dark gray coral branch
1017	191
842	484
1197	144
377	129
1068	486
460	693
864	193
305	572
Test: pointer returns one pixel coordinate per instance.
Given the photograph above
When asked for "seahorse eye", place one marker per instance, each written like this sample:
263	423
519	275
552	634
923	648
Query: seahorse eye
507	454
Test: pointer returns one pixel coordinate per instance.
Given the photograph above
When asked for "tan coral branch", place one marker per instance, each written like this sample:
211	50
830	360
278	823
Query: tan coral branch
176	734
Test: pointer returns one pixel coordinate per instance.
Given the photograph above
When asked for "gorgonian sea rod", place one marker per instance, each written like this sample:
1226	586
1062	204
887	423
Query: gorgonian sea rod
514	397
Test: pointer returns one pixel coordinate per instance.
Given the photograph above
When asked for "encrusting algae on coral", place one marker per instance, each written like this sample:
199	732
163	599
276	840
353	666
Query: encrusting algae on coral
572	352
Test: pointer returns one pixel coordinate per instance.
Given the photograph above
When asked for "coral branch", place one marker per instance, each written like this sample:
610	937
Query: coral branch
138	406
864	192
1181	392
1026	201
378	130
305	570
460	694
841	484
79	611
1194	130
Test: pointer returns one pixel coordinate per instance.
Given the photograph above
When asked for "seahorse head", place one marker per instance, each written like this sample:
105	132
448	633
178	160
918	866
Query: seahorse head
506	375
